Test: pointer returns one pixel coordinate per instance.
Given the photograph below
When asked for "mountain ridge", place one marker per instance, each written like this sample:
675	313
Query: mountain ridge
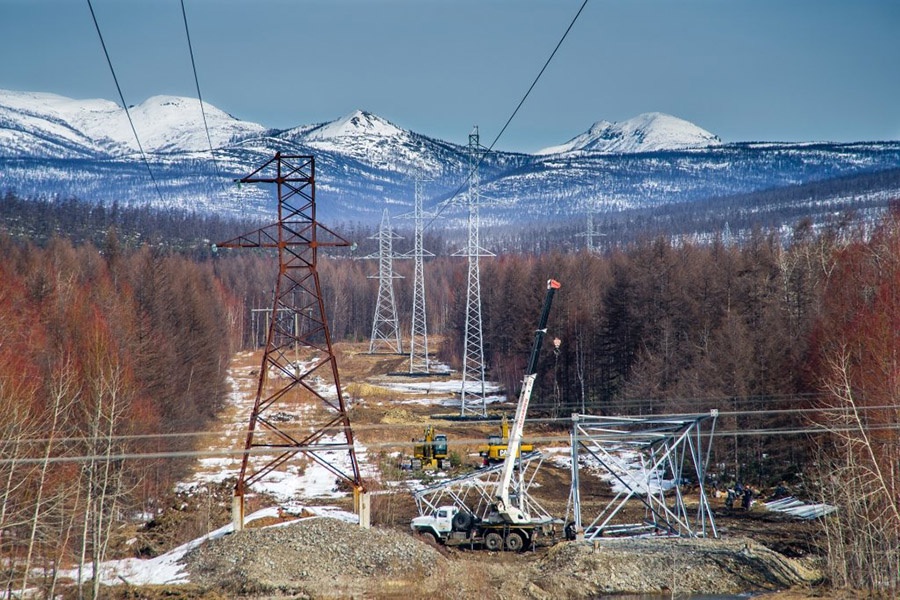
52	146
647	132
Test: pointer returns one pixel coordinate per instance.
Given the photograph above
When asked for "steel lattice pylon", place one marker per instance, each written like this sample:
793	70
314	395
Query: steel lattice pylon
418	335
298	320
637	453
472	392
385	326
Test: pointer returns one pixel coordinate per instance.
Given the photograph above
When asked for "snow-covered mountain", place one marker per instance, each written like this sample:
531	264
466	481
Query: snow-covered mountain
648	132
51	126
54	146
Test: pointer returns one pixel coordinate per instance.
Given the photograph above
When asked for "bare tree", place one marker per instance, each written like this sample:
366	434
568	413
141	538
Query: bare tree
64	393
860	479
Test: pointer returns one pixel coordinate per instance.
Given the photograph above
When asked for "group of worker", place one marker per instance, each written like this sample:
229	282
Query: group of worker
739	492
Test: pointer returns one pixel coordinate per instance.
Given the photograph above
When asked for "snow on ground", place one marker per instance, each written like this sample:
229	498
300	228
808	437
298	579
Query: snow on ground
299	481
301	478
442	393
625	466
167	568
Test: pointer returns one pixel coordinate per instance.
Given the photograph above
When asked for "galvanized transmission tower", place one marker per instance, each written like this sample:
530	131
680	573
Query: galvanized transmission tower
590	233
418	335
385	327
472	393
298	320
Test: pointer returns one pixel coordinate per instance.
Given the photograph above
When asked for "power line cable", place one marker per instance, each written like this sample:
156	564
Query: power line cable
124	104
212	152
490	148
380	427
457	442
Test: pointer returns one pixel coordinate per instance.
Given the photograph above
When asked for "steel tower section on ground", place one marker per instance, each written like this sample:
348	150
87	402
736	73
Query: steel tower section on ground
298	321
639	455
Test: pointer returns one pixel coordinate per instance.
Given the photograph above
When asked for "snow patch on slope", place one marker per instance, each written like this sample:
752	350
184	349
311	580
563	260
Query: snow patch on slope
647	132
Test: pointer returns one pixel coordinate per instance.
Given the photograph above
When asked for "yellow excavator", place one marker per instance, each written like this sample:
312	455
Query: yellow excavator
495	450
430	452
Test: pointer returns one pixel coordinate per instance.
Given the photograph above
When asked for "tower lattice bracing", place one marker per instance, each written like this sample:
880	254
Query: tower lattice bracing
418	335
385	326
472	392
589	234
297	322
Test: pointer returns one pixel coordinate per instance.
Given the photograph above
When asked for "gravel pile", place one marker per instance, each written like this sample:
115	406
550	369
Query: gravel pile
642	566
312	557
327	558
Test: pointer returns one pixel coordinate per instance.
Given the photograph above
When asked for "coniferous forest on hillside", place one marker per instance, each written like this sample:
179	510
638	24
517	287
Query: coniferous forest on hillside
117	325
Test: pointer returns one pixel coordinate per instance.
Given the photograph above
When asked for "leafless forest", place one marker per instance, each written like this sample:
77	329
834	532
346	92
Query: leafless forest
111	346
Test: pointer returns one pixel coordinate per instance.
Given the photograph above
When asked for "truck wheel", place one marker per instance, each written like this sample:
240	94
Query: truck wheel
462	521
493	541
514	542
427	535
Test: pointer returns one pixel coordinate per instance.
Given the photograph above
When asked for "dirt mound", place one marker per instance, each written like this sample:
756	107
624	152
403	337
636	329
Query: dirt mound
397	415
312	557
329	558
699	566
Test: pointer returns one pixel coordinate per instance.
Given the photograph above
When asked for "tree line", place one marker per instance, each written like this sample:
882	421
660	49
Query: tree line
781	333
103	355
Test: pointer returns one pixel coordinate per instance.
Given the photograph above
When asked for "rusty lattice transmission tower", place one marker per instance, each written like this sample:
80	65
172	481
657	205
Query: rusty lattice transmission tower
298	320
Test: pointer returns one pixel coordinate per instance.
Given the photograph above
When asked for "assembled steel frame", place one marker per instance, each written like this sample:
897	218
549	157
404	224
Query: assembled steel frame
419	362
476	492
665	445
472	391
385	325
298	320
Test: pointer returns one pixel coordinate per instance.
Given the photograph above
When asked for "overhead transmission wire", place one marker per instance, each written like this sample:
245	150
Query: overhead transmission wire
457	442
532	421
490	148
212	152
124	104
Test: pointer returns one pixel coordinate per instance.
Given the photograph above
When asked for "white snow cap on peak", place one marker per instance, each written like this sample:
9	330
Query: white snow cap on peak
646	132
163	123
357	123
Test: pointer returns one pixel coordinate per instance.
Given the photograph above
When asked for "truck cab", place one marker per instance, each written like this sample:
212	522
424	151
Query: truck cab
439	523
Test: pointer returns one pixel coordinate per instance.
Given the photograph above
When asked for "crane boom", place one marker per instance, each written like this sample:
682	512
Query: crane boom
505	509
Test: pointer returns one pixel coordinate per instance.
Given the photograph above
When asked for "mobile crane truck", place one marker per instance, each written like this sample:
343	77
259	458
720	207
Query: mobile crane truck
507	524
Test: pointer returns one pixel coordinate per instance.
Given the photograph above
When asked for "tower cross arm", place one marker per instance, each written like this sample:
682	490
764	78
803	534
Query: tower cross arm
268	237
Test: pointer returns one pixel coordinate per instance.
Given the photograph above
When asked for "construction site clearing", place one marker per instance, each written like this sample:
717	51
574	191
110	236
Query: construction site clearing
304	542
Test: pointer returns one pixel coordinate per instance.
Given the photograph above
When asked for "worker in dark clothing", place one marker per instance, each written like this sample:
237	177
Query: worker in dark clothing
747	499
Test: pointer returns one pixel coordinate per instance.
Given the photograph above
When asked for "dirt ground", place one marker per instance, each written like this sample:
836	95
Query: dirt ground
758	551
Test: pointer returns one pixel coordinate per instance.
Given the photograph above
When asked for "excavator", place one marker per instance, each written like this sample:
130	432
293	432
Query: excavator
494	451
430	452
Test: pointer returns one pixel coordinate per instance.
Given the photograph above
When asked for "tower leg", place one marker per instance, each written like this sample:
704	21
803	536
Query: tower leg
363	507
237	511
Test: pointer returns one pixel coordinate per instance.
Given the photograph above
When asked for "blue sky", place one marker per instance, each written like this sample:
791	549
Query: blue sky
774	70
